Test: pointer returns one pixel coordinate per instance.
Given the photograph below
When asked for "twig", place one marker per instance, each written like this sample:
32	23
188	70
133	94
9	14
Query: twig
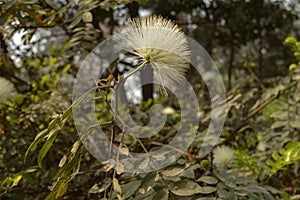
173	148
165	183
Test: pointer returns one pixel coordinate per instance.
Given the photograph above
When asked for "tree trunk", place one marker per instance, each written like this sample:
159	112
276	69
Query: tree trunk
146	74
147	86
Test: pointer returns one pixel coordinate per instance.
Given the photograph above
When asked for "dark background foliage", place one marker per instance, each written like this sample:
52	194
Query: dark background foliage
41	156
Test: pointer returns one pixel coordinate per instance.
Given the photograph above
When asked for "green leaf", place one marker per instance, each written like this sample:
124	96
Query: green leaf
149	180
292	153
66	168
189	172
291	40
280	115
75	147
119	197
116	185
124	149
255	189
62	161
52	4
17	180
295	154
208	180
47	145
292	145
271	189
161	194
130	188
29	170
142	164
59	189
295	124
36	141
185	188
62	188
75	22
173	170
208	190
66	68
279	124
100	187
5	182
276	156
53	123
66	114
87	17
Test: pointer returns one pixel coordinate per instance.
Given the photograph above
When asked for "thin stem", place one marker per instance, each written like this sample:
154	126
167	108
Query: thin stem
142	145
135	70
173	148
256	78
166	184
115	112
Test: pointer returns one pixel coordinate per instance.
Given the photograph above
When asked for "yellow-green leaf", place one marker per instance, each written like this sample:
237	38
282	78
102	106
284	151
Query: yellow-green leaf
17	180
117	187
46	147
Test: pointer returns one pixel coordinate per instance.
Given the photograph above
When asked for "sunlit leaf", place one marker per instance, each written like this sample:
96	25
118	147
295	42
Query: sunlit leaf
185	188
16	180
208	180
208	190
103	185
75	22
116	185
173	170
87	17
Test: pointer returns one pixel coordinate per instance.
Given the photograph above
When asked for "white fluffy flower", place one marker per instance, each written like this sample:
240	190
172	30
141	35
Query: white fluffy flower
6	89
160	43
222	155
